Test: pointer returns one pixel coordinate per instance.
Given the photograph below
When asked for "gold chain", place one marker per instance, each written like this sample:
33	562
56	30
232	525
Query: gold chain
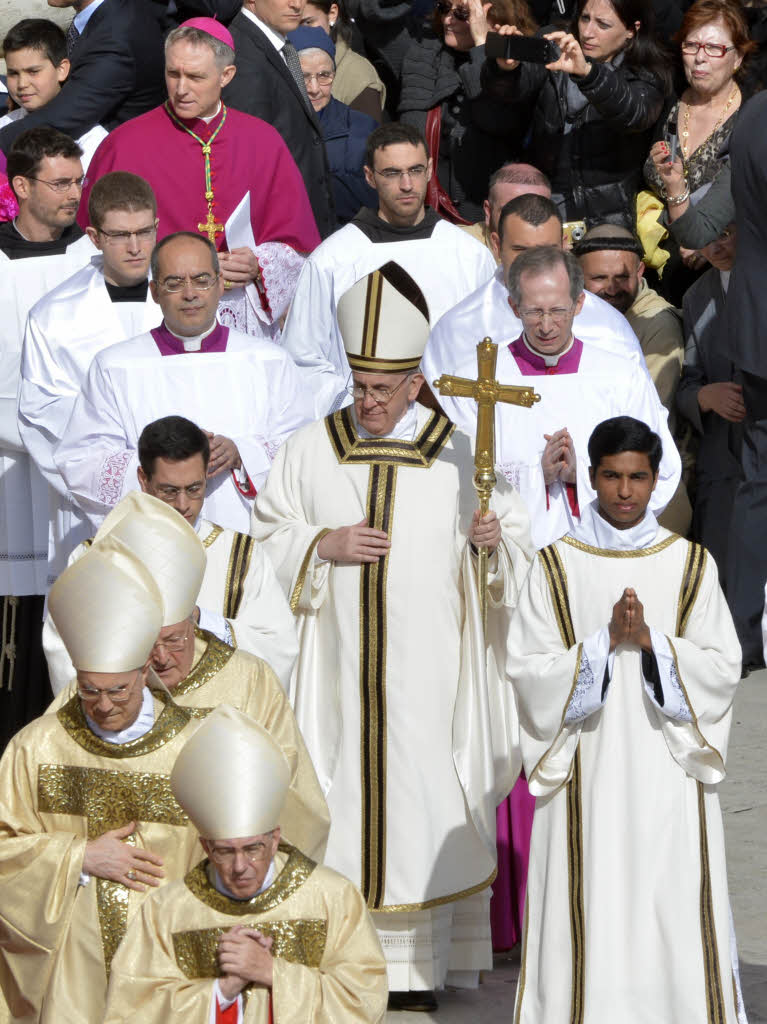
686	123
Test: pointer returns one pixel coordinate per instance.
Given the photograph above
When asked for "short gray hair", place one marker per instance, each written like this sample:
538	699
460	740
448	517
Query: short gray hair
154	263
223	54
537	261
313	51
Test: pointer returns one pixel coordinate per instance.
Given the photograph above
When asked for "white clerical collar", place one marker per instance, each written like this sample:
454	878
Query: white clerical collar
275	38
593	529
404	429
724	277
139	728
548	360
213	116
218	885
193	344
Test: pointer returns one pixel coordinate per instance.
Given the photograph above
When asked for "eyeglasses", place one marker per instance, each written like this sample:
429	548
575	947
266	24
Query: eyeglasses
690	48
556	315
459	13
380	393
166	492
173	643
200	283
61	184
117	694
393	174
254	853
126	237
321	77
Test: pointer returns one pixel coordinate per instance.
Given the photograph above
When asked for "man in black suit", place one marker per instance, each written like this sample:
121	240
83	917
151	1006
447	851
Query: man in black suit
264	86
116	50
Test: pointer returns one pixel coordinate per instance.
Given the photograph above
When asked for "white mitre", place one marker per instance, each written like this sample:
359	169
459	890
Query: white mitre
384	322
166	544
107	609
231	777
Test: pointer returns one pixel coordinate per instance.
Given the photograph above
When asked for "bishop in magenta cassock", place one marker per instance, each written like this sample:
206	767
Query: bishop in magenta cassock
223	173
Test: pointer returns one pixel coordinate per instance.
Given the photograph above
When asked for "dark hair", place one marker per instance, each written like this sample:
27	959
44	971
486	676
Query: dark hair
343	27
119	190
173	438
502	12
539	259
533	209
33	146
644	52
624	434
155	261
38	34
392	134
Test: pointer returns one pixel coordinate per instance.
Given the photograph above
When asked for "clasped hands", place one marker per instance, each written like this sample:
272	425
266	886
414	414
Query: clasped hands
224	454
558	460
245	957
627	625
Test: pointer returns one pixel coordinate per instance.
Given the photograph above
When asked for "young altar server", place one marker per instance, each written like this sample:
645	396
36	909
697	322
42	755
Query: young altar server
257	932
625	660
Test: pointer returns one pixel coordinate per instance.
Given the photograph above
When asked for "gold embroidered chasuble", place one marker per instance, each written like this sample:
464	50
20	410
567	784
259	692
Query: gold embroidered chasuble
411	735
222	675
61	785
328	964
627	915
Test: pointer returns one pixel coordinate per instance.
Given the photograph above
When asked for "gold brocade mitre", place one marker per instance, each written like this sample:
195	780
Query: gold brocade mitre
107	609
231	777
384	322
167	545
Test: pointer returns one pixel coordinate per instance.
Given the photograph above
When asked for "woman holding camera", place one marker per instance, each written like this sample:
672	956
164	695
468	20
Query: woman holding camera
435	67
592	110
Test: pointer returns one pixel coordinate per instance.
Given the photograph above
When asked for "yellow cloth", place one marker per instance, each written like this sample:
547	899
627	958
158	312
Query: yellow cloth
650	231
59	786
222	675
328	965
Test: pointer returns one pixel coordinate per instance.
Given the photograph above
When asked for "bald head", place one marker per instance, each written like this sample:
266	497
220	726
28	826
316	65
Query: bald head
611	260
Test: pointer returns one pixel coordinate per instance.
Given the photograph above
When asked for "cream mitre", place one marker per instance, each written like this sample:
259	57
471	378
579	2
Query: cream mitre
107	609
231	777
384	322
166	544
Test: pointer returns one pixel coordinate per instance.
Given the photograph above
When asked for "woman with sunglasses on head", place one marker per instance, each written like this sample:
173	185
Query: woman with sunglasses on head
435	71
714	44
591	113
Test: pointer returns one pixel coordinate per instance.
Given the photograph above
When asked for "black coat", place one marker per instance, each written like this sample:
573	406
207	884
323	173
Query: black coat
596	165
345	132
264	87
118	72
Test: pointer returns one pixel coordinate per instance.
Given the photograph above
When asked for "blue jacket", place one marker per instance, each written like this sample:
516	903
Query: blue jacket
345	132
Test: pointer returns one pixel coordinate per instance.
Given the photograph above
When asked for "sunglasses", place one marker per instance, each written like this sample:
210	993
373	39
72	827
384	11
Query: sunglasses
459	13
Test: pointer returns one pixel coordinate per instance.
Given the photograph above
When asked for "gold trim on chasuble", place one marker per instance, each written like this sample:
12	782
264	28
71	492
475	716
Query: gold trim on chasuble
213	659
556	577
383	456
610	553
716	1013
239	564
213	536
107	799
694	567
295	596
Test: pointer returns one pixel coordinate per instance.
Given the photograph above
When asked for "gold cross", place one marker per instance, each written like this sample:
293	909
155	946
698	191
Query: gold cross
486	392
210	227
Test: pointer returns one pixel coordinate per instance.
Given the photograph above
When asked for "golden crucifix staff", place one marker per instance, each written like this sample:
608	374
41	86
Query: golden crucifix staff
486	392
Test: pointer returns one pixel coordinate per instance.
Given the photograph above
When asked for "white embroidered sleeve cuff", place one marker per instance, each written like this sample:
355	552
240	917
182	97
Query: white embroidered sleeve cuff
216	624
661	679
594	673
280	266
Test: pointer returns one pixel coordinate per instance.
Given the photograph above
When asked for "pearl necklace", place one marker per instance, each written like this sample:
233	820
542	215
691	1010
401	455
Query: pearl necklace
686	123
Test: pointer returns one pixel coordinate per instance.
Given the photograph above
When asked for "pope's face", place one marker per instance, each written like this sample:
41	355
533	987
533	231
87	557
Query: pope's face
194	80
126	239
519	236
242	864
180	484
385	399
112	699
613	275
624	484
547	310
192	309
33	79
282	15
173	653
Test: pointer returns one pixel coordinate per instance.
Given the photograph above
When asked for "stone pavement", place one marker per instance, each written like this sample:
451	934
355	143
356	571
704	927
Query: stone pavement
744	805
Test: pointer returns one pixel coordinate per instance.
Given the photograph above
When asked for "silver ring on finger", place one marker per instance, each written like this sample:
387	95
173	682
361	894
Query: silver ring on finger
131	875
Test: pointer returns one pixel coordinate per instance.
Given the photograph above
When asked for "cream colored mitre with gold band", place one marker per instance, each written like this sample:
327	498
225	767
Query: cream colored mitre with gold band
166	544
384	322
107	608
231	777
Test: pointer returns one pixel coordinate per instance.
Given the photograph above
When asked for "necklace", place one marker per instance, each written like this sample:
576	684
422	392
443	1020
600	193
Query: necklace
686	122
208	227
